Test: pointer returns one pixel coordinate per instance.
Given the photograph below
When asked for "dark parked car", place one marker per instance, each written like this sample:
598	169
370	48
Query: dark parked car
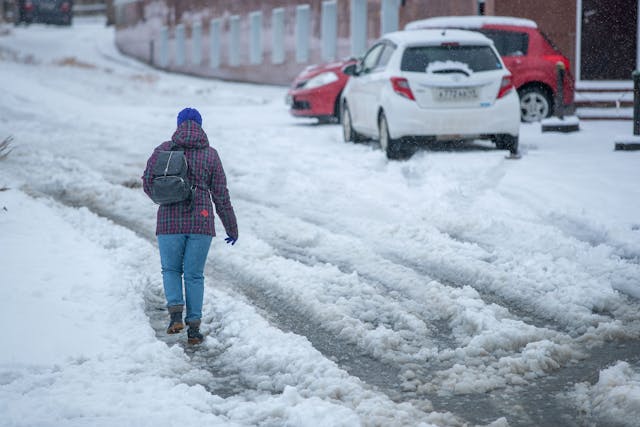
526	51
45	11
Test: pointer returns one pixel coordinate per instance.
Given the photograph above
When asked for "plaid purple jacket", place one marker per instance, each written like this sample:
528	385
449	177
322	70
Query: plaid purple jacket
205	170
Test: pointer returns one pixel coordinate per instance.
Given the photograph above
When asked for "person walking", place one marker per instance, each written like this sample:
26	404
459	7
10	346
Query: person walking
185	229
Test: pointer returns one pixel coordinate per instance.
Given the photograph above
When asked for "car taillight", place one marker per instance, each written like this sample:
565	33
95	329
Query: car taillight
65	6
557	58
401	87
506	85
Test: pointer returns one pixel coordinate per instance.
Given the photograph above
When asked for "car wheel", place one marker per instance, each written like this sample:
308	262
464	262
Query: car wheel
535	104
391	147
348	133
507	142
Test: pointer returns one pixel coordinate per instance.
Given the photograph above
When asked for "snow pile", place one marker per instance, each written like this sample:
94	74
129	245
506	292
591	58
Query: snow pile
439	66
614	399
81	350
469	22
557	121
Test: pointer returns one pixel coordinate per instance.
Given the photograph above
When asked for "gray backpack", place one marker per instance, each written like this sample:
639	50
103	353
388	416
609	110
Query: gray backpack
169	178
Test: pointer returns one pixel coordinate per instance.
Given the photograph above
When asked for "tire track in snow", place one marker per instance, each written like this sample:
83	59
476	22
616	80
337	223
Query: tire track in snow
523	306
523	406
530	399
383	376
278	310
592	234
477	407
428	271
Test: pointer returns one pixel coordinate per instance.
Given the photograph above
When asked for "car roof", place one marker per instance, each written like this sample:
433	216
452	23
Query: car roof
437	37
469	22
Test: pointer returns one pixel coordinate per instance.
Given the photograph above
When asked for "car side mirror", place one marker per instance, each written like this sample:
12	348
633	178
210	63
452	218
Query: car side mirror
351	70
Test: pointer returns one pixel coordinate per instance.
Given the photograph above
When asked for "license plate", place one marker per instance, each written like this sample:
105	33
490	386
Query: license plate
456	94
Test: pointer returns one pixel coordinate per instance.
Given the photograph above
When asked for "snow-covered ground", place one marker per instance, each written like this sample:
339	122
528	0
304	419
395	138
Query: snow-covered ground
443	289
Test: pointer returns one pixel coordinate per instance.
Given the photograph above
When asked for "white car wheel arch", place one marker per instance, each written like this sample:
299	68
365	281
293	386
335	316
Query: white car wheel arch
384	132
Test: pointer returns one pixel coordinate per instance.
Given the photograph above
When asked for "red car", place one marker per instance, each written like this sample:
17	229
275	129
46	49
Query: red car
315	92
530	56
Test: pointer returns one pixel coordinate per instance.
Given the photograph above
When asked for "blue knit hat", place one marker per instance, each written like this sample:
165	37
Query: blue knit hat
189	114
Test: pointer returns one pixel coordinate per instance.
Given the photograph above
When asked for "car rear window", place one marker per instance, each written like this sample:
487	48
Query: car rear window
509	43
478	58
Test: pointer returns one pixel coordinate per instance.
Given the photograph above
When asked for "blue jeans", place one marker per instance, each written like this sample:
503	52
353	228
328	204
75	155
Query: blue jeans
184	254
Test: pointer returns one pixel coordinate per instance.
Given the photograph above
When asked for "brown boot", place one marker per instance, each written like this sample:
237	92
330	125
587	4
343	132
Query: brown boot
193	333
176	324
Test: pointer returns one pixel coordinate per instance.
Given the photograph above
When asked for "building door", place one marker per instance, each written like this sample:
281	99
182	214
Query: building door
608	39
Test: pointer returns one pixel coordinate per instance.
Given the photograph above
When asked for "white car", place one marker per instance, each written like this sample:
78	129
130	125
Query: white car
428	85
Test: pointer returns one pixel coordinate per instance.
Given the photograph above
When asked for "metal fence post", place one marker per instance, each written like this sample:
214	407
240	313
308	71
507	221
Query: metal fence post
329	29
636	102
358	25
389	16
163	55
214	42
632	142
234	40
196	44
255	29
302	31
277	36
560	90
180	45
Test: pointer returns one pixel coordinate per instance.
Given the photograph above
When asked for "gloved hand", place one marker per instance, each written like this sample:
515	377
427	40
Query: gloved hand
231	240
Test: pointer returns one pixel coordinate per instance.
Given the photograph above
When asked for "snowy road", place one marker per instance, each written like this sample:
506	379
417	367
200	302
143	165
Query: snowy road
457	286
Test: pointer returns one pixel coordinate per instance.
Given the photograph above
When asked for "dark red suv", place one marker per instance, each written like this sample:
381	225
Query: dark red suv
528	54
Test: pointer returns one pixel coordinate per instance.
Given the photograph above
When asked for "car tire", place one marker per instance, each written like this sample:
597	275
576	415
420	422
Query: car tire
507	142
336	109
393	148
348	133
535	104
